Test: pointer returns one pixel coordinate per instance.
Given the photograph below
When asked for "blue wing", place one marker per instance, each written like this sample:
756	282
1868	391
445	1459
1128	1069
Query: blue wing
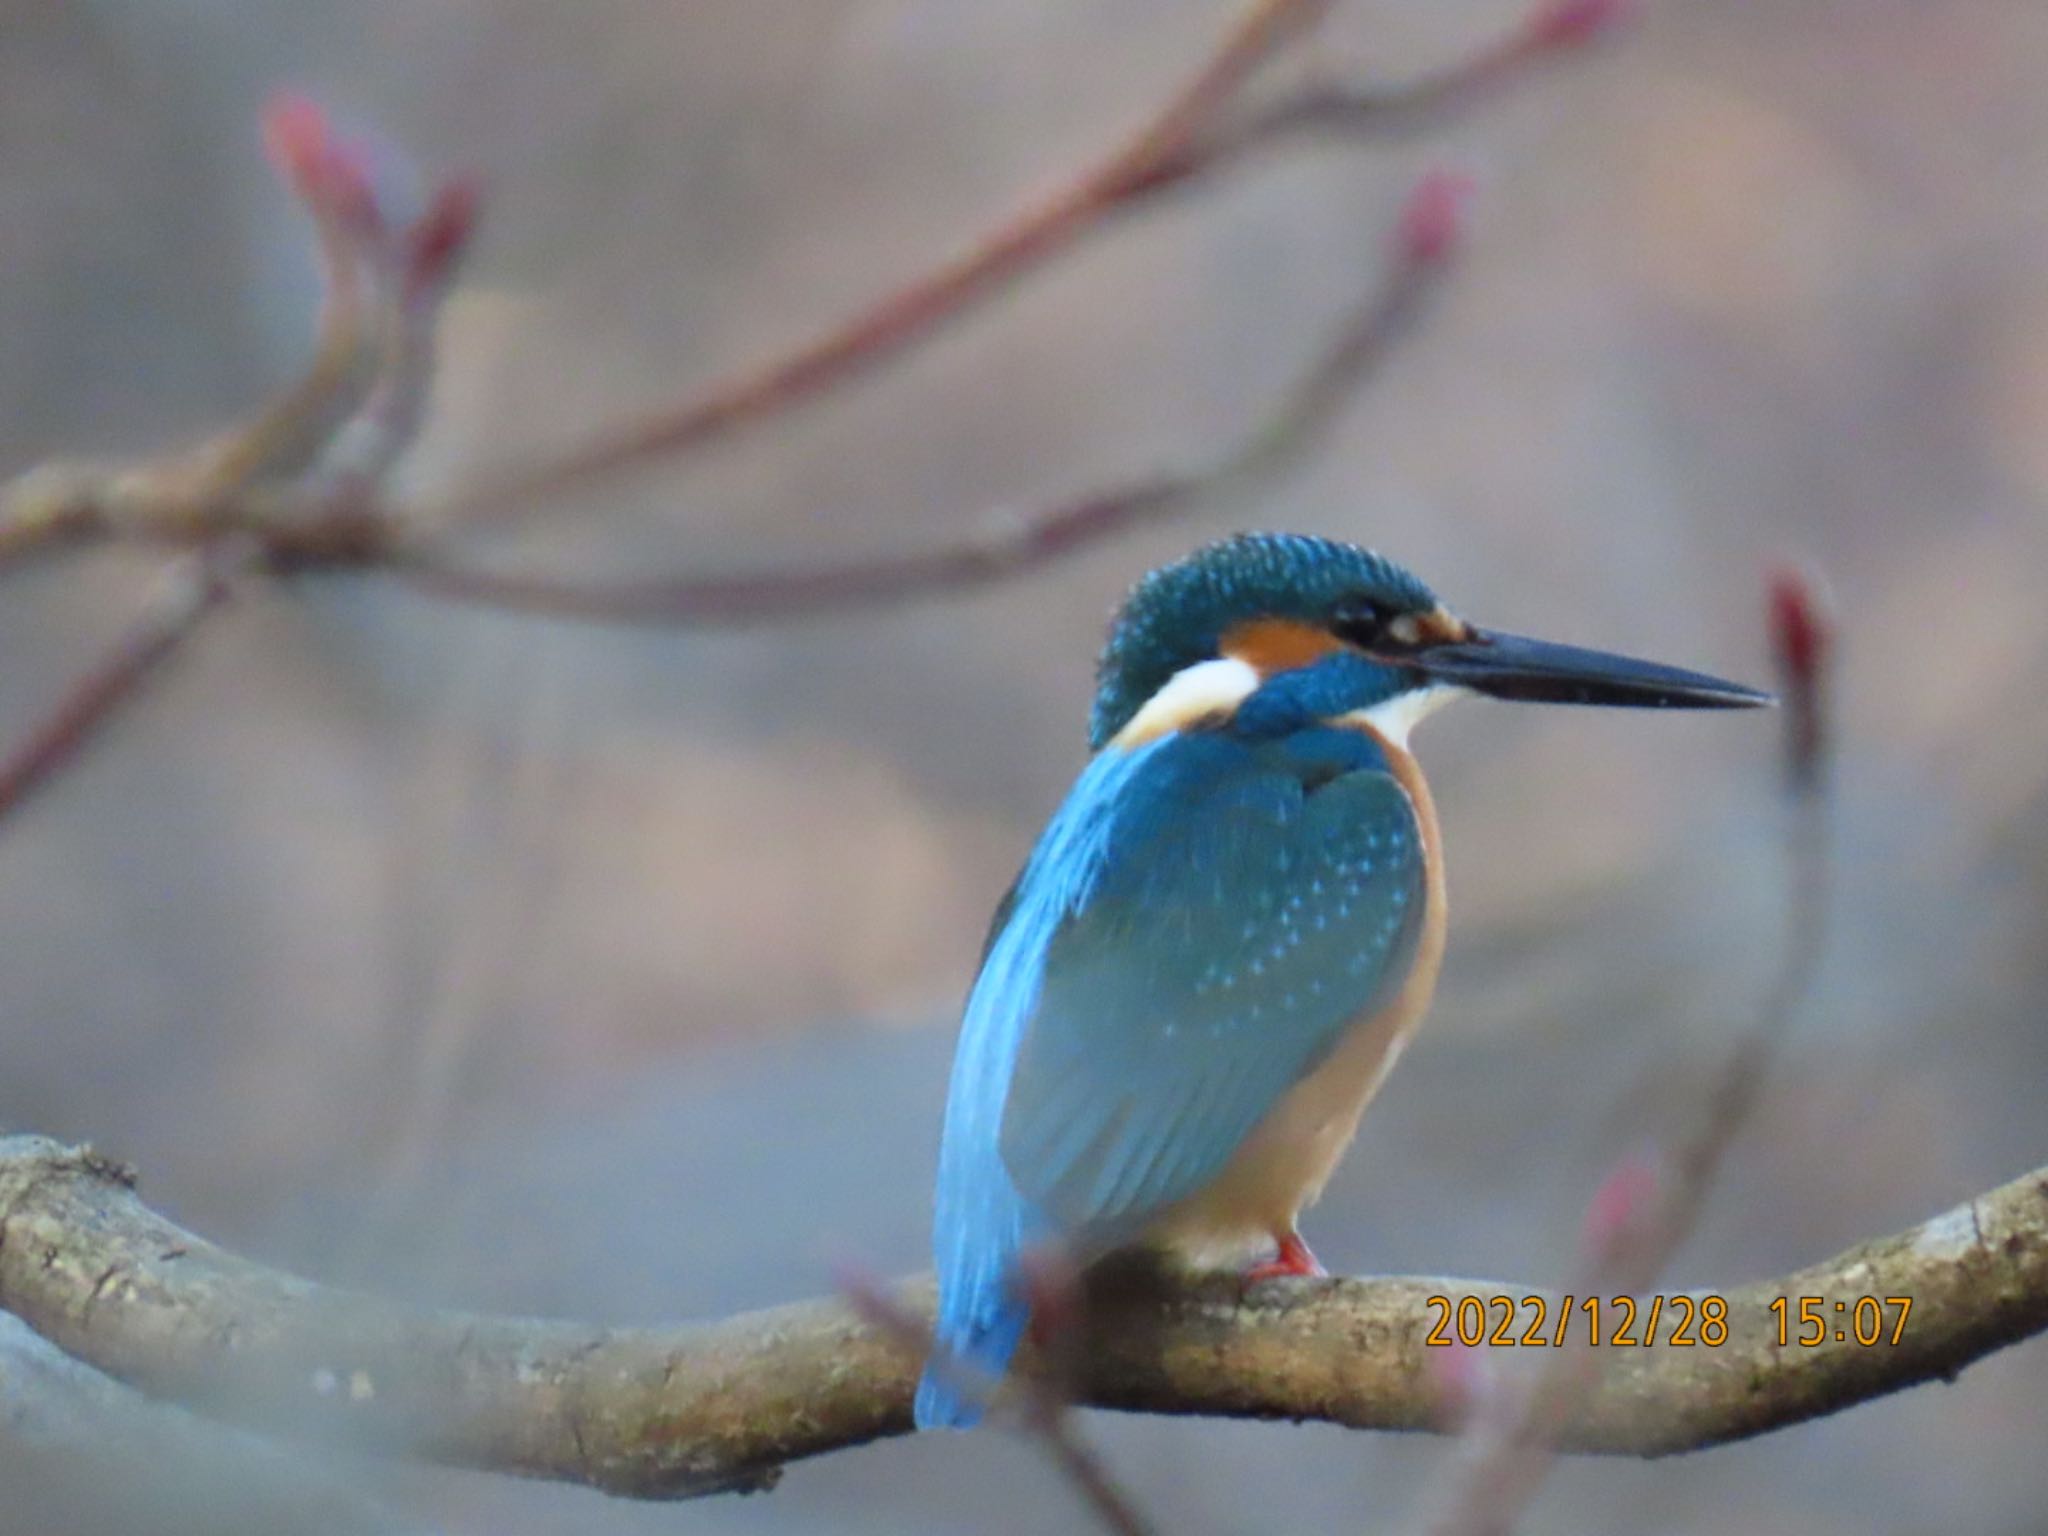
1262	904
1192	934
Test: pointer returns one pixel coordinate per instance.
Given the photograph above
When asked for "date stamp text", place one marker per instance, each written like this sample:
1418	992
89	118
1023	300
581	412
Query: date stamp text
1674	1322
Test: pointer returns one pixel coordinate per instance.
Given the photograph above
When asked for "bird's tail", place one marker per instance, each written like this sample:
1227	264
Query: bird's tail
977	1334
983	1224
980	1222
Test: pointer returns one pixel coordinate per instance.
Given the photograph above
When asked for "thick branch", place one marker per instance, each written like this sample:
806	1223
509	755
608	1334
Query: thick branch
675	1413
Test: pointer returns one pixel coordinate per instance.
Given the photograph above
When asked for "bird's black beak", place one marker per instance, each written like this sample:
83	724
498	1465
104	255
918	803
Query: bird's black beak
1538	672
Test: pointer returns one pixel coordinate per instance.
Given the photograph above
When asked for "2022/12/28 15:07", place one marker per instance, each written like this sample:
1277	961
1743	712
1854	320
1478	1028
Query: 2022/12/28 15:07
1804	1321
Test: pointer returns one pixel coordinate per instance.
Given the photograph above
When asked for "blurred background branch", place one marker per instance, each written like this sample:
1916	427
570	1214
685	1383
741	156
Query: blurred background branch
188	589
302	483
1041	1406
1188	138
1015	542
89	1457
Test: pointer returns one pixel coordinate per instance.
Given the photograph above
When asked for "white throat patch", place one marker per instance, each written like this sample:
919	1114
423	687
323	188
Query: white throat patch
1394	718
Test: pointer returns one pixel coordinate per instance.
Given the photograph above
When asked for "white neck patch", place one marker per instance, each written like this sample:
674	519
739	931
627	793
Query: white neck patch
1394	718
1191	694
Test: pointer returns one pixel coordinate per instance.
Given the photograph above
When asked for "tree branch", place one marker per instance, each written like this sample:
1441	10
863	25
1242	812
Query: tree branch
190	588
722	1406
916	308
299	487
1427	235
1189	137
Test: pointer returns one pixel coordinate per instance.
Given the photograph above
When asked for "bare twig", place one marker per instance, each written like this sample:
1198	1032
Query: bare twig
290	488
190	588
719	1406
49	507
414	270
315	454
918	306
1338	109
331	179
299	475
1429	231
299	483
1188	137
1042	1410
1642	1214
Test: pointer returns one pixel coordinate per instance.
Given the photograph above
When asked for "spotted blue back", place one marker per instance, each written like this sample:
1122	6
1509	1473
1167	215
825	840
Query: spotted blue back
1265	896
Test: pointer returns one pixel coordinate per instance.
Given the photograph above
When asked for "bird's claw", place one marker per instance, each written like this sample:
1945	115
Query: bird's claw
1293	1261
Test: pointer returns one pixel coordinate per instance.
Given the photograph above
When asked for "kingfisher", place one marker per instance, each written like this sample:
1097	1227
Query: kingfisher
1228	931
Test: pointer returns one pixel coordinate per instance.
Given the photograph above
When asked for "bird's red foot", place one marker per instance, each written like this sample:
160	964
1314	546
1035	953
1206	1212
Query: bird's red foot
1293	1260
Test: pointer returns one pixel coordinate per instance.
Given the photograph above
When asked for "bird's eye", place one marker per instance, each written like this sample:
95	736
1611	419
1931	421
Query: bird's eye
1360	622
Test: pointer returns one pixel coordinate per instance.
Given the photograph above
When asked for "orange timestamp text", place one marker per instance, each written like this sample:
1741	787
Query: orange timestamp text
1809	1321
1677	1322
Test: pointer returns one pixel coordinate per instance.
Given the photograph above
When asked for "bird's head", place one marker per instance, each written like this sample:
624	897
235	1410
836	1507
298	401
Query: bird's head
1345	630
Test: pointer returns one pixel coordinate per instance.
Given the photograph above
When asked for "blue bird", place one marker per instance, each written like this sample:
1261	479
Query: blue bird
1229	930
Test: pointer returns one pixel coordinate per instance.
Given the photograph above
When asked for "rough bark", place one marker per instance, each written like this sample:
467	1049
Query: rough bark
679	1412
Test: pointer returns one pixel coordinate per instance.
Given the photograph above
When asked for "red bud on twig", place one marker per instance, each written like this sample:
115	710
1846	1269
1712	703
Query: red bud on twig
1802	634
1571	23
330	176
1624	1207
1435	218
437	239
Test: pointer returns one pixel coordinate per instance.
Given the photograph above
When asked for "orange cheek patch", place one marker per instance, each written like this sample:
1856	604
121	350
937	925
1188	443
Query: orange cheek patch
1277	645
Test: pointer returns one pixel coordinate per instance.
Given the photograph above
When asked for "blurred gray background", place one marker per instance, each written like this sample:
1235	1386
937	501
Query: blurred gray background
398	943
